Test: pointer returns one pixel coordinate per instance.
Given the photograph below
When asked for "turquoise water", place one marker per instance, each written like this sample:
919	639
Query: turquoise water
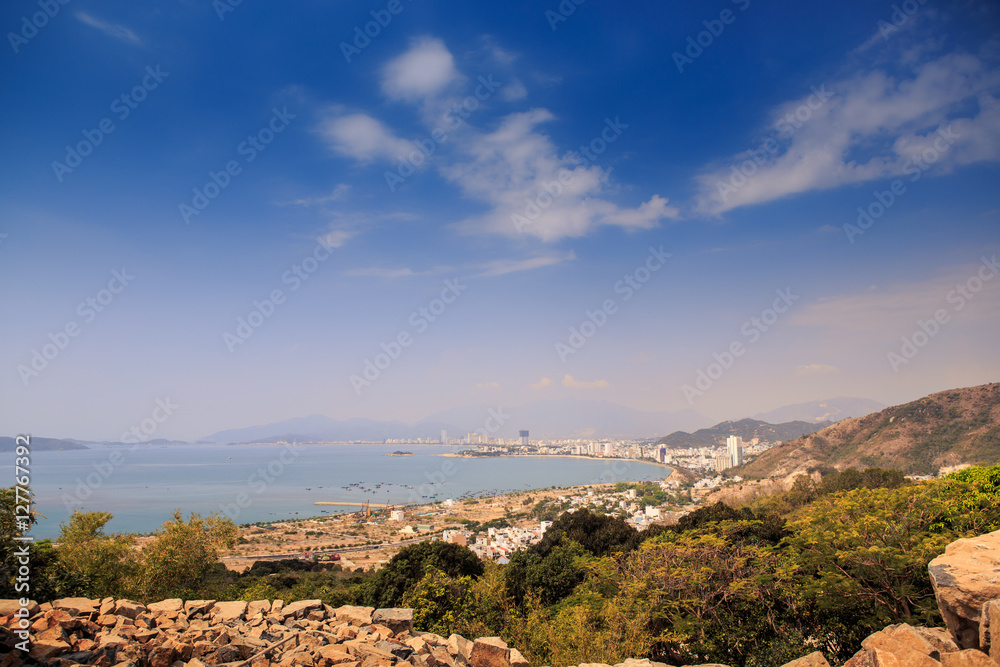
142	486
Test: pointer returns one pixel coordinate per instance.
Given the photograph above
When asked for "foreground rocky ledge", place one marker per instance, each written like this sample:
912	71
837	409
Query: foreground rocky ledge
194	633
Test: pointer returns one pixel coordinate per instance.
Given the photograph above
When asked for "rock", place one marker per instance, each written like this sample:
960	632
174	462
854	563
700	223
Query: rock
45	649
355	615
397	620
228	612
258	607
128	608
459	645
518	660
334	655
989	628
173	604
11	607
162	656
964	578
967	658
225	654
192	607
815	659
490	652
299	609
77	605
906	644
874	658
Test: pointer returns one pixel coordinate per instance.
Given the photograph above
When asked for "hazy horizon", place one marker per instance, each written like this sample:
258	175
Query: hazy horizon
237	216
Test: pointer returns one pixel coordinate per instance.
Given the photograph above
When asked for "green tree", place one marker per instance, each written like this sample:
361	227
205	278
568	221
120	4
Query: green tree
599	534
106	564
388	586
182	553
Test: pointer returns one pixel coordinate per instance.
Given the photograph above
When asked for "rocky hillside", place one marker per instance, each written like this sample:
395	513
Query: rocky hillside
944	429
748	429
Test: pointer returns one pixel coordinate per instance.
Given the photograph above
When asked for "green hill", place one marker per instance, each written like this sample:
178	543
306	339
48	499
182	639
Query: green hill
949	428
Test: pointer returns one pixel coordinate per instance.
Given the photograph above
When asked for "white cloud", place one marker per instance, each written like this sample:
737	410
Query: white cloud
362	137
867	128
541	384
516	165
514	90
338	193
816	369
423	71
115	30
335	238
573	383
504	266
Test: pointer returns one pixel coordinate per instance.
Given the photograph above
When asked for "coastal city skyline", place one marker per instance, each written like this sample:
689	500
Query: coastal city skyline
395	211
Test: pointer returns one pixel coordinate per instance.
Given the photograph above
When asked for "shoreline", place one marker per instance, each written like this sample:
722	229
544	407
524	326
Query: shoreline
558	456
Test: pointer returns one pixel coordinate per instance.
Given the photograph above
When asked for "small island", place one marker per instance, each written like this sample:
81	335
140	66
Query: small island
399	453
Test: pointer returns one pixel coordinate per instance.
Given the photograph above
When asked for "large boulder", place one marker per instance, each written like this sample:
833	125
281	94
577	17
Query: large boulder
490	652
814	659
397	620
964	579
165	606
77	605
355	615
300	608
970	657
227	612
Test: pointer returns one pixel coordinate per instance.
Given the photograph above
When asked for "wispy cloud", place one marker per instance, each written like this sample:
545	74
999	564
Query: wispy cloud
516	165
337	194
542	384
362	137
115	30
376	272
502	267
488	386
573	383
867	126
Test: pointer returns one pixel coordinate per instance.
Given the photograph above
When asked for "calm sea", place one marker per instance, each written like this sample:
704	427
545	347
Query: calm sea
142	486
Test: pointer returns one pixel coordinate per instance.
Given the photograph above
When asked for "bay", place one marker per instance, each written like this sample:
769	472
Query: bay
142	486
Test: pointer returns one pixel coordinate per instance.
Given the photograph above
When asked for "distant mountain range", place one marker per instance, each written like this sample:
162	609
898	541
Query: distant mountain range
832	410
944	429
557	418
748	429
40	444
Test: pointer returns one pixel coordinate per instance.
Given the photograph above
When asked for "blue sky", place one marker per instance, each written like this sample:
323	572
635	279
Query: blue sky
510	169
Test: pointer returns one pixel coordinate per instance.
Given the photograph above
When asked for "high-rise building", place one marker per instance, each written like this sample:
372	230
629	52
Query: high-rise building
608	449
524	438
722	462
661	455
444	437
734	448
